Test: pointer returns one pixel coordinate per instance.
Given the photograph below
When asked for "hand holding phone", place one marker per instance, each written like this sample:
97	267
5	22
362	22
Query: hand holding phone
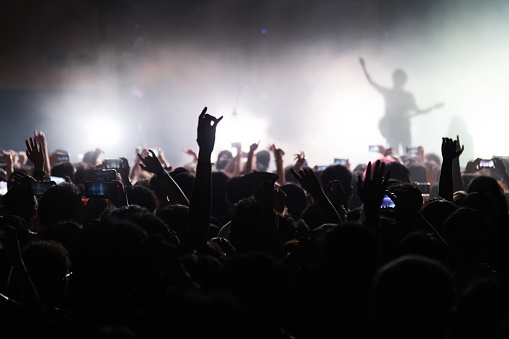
113	163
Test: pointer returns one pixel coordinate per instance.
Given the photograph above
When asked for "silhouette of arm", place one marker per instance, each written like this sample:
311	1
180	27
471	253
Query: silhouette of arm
371	190
310	183
152	164
28	295
379	88
248	168
450	150
410	214
201	199
280	170
264	195
500	169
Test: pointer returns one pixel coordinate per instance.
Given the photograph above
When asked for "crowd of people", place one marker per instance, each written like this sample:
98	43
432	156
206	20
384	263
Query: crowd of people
225	248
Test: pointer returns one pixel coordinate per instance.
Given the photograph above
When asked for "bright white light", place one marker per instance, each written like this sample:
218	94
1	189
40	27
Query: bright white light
102	133
244	128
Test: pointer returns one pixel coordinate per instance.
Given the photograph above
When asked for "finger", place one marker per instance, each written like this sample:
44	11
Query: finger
217	120
143	167
152	152
202	114
28	146
139	156
368	171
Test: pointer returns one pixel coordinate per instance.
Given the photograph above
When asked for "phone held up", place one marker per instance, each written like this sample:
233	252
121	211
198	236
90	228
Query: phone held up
113	163
100	189
486	163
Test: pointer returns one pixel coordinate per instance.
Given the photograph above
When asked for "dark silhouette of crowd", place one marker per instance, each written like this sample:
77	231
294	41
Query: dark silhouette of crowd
225	248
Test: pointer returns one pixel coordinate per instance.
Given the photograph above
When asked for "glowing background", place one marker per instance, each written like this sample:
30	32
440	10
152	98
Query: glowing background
282	72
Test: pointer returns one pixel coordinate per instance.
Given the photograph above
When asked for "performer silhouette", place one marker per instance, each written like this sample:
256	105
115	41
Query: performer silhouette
400	107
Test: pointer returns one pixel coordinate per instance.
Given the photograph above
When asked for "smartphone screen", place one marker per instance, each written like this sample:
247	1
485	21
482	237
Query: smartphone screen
339	161
39	187
63	157
112	163
105	175
321	168
3	187
57	180
486	163
99	189
387	203
374	148
424	187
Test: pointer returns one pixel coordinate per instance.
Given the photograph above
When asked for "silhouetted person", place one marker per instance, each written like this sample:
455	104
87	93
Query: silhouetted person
400	107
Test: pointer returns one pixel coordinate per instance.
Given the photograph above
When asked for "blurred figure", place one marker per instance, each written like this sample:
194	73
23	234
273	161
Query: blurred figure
399	105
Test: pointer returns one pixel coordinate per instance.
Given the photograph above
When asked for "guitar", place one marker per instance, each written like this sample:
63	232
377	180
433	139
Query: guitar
385	121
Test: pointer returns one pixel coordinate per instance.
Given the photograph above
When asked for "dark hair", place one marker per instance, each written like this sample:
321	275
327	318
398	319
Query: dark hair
64	169
262	160
142	196
58	203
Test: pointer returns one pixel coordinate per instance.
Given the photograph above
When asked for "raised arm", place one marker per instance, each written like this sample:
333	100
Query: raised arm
40	137
248	168
371	82
280	170
174	194
310	183
450	150
201	199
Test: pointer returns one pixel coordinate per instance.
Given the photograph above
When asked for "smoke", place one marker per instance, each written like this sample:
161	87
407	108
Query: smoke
287	73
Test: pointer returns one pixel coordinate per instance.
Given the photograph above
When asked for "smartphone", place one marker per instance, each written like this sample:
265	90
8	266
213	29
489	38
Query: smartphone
424	187
100	189
387	204
338	161
235	144
39	187
105	175
486	163
3	187
374	148
412	149
112	163
57	180
63	157
321	168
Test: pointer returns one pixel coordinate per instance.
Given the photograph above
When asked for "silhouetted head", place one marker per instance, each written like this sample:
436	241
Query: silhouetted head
412	298
141	196
59	203
63	169
399	78
224	155
262	161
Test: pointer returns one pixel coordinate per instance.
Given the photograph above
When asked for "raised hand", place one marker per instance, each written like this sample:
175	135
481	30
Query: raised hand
300	159
35	153
310	183
253	147
151	163
278	152
193	154
372	188
308	180
451	148
207	131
